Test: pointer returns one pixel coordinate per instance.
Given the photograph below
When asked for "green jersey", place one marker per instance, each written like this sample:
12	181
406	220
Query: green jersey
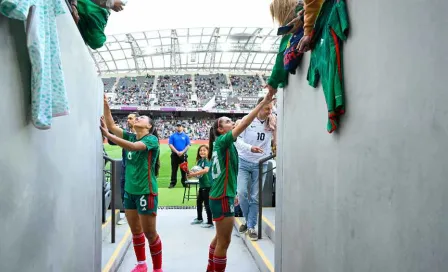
326	58
140	166
224	167
204	181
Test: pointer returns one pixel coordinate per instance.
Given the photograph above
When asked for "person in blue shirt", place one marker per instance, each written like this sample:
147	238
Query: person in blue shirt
179	144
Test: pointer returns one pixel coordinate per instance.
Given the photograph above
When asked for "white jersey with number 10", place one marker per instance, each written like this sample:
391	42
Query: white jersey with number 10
256	134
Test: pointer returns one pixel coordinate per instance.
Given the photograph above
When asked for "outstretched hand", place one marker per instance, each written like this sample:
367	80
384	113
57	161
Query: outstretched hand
118	6
103	127
270	95
105	101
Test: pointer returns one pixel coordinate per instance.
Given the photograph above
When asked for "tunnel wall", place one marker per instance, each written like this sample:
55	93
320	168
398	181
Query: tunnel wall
50	181
372	196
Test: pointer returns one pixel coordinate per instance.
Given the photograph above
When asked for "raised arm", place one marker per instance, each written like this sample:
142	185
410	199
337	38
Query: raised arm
242	145
245	122
109	121
129	146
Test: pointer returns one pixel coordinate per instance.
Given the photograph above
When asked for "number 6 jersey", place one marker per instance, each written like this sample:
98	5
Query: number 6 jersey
224	167
256	134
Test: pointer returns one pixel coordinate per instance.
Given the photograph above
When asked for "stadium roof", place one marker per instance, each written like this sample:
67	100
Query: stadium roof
213	49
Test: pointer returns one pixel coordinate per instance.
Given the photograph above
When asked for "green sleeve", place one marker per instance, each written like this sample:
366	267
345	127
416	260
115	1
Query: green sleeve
207	163
151	142
225	140
339	21
126	135
279	76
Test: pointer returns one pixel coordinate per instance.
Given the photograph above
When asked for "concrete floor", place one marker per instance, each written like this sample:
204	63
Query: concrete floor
185	247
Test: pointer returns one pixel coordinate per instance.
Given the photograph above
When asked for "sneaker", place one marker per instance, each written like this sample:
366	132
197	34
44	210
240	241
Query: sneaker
140	268
253	236
243	228
197	221
207	226
157	270
122	221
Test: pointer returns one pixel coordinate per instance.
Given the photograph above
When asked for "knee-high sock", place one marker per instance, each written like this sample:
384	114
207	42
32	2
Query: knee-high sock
220	263
139	247
211	253
156	253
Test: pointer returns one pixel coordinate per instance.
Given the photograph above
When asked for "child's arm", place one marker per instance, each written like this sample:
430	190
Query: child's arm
199	173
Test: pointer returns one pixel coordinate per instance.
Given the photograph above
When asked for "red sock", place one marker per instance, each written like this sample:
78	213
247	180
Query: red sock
139	246
220	263
156	253
211	253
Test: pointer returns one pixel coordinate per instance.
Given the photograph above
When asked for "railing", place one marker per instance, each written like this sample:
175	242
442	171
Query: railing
260	190
114	176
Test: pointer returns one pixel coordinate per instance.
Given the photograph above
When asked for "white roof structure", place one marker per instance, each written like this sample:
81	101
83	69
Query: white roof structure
213	49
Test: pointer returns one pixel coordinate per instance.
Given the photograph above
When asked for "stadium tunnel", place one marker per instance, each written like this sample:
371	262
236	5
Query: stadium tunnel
372	196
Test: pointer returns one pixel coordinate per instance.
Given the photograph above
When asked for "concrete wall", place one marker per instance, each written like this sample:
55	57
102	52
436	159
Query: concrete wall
374	195
50	181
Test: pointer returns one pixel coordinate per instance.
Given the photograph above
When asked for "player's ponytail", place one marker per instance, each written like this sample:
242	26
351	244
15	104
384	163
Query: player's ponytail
154	132
212	138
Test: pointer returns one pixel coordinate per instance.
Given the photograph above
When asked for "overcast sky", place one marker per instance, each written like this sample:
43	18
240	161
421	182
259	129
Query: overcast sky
143	15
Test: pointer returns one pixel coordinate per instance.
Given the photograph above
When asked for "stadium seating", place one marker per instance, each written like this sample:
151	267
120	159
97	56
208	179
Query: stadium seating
246	85
174	90
134	90
197	128
265	78
109	83
208	86
178	90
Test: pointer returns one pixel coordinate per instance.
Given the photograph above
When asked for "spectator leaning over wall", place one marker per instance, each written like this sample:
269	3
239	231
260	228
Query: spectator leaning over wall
288	12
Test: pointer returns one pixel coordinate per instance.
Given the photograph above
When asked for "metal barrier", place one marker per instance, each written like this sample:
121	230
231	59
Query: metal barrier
115	172
260	190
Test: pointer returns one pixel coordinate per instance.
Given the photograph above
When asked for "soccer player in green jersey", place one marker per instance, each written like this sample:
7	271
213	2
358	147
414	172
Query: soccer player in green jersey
140	199
224	170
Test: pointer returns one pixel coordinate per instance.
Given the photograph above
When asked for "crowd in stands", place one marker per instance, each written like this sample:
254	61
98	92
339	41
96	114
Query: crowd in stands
109	84
246	85
208	86
265	78
174	90
177	90
134	90
196	128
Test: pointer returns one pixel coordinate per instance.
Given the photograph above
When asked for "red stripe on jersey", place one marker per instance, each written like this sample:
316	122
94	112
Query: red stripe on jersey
338	52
